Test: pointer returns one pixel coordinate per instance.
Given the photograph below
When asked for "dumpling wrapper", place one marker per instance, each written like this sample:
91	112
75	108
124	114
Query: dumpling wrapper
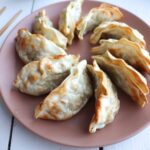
97	15
69	18
40	77
116	30
130	51
69	97
42	18
32	47
43	26
107	103
125	76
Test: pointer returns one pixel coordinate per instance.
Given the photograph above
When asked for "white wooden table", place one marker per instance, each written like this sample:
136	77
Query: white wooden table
13	136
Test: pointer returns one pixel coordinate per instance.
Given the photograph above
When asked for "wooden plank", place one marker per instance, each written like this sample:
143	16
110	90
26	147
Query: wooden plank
25	140
4	28
139	8
13	7
38	3
5	125
138	142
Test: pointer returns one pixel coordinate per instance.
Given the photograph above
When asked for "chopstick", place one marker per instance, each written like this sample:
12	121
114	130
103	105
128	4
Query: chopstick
2	10
4	28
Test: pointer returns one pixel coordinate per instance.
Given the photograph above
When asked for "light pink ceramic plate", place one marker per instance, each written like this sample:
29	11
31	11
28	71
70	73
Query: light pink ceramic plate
73	132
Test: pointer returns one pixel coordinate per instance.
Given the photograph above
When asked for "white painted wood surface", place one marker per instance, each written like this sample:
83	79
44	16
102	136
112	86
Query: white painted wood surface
22	139
5	125
139	142
12	8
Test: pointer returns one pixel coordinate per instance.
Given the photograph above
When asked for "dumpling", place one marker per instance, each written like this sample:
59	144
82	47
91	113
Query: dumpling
107	103
40	77
126	77
69	97
44	26
130	51
117	30
97	15
69	18
32	47
42	19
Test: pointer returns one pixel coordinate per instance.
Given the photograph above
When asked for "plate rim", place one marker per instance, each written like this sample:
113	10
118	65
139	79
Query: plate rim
133	133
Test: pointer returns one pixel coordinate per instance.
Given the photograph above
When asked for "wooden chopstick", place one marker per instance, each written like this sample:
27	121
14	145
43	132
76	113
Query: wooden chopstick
2	10
4	28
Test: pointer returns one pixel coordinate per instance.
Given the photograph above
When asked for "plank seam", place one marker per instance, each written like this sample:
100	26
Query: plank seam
11	132
12	120
33	6
101	148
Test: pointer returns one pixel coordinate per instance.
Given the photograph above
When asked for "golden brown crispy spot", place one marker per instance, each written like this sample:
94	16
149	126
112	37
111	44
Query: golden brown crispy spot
38	35
140	100
48	66
55	111
33	78
101	89
78	23
97	109
45	116
40	106
58	56
23	43
33	47
15	82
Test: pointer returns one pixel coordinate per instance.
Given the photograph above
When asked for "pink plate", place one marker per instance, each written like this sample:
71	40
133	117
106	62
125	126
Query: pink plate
74	132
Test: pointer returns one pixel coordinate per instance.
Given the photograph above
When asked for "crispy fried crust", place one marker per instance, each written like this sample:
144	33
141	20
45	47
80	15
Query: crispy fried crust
43	25
69	97
97	15
32	47
69	18
126	77
117	30
130	51
40	77
107	103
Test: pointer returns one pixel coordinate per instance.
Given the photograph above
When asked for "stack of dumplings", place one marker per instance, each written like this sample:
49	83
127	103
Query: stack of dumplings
118	53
